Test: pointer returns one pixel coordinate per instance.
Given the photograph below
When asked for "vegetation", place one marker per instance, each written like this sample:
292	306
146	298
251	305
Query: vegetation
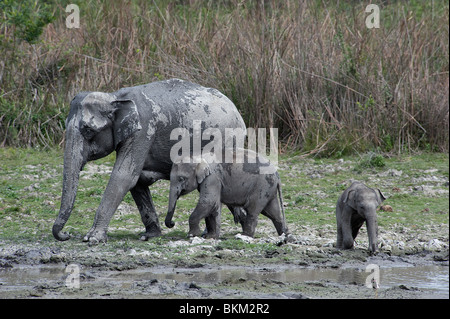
310	68
31	183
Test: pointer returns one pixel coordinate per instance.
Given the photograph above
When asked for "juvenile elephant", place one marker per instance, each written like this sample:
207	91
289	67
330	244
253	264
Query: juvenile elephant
356	205
243	187
136	122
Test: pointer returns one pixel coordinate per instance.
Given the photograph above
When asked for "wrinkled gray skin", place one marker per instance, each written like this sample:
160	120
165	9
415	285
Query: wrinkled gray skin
240	186
136	122
357	205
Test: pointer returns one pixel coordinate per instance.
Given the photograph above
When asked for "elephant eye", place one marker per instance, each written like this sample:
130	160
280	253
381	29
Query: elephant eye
181	178
87	132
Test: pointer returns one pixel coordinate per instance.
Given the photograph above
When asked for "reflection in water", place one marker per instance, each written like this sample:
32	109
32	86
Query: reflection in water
422	277
431	277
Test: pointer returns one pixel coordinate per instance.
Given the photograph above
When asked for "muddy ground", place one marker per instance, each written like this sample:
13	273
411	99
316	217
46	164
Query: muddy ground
412	258
207	270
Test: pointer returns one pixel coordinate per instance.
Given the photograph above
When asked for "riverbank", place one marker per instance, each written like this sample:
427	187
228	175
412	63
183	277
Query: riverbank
212	269
413	237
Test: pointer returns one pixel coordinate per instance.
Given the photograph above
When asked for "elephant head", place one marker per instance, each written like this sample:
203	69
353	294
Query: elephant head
97	124
364	201
184	178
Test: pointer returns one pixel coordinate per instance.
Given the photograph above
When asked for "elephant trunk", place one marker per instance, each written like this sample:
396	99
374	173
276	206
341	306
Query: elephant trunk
74	160
173	197
372	231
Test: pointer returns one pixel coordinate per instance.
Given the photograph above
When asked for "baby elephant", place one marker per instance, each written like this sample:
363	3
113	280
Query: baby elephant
357	204
250	187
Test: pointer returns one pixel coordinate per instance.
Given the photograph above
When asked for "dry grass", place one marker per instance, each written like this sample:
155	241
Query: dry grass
310	68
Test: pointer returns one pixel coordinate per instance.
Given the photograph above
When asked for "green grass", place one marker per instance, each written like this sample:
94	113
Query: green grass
31	182
410	208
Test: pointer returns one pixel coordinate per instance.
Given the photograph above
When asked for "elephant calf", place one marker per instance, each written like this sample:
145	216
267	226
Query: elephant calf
250	187
355	206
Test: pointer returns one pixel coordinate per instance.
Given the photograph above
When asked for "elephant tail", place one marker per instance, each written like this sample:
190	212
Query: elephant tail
280	197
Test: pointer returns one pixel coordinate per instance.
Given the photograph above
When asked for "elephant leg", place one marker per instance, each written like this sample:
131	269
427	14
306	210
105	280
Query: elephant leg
213	224
356	224
346	228
253	210
209	208
143	199
124	176
239	214
347	238
339	239
114	194
273	212
250	223
202	211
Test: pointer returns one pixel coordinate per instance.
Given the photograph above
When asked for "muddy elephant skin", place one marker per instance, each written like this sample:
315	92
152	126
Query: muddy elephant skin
357	204
136	122
243	187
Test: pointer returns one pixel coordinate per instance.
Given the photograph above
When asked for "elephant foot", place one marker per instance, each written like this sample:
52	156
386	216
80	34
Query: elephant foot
193	233
348	244
210	236
194	230
150	234
94	237
373	251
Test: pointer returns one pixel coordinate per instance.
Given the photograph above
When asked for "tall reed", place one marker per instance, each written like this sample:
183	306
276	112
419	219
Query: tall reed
311	68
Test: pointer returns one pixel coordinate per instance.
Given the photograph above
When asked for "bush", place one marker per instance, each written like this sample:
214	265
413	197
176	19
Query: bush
370	160
26	17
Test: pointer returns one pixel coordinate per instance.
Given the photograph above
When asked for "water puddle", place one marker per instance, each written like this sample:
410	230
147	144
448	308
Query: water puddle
431	278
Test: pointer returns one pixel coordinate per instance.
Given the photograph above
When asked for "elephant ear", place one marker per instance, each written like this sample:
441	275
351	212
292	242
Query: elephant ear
349	197
202	171
126	120
380	196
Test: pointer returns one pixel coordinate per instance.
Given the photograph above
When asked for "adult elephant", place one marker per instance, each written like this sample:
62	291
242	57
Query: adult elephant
135	122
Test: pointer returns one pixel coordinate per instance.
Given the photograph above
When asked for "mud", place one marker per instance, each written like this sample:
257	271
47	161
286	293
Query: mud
412	261
74	270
